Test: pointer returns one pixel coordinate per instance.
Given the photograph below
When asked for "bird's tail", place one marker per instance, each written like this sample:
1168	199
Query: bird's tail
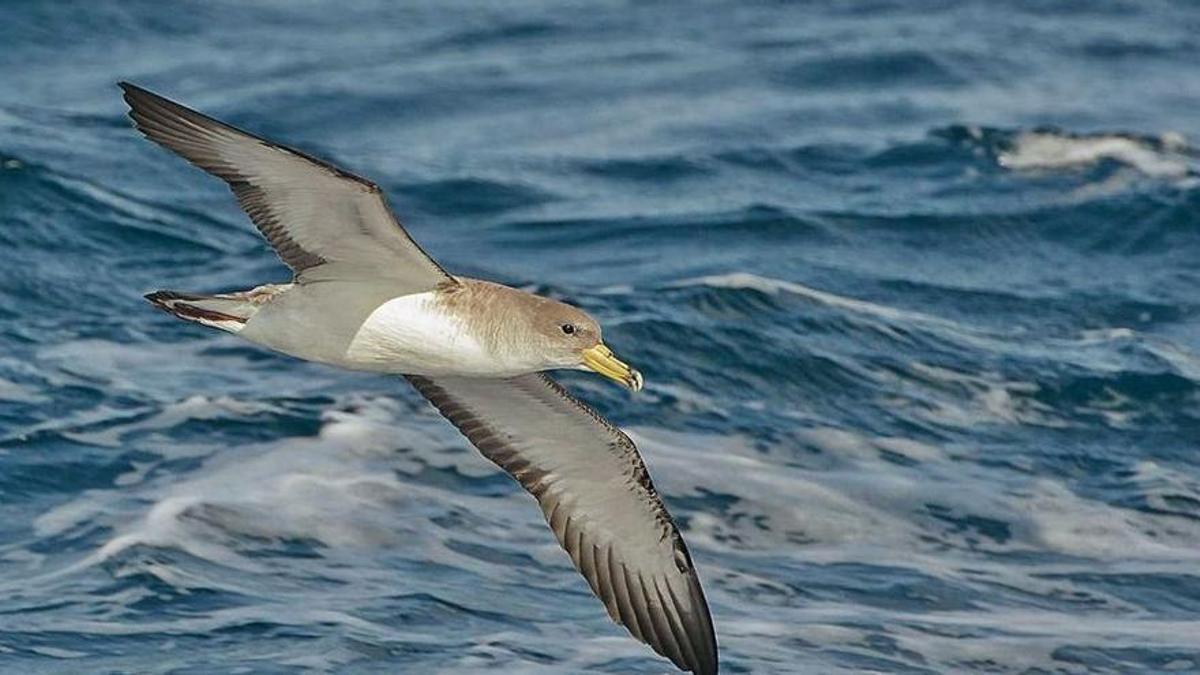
226	311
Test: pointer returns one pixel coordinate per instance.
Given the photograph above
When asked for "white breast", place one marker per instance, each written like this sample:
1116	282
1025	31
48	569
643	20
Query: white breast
411	334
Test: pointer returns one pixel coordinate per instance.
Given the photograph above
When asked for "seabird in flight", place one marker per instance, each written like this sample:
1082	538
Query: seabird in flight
365	296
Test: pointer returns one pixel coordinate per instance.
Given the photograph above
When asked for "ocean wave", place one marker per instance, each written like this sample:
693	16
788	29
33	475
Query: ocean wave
472	196
767	285
876	69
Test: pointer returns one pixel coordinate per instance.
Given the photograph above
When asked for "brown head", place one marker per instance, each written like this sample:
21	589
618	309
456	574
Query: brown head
539	332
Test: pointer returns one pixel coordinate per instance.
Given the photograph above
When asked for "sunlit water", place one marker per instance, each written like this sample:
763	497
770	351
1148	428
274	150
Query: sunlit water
915	288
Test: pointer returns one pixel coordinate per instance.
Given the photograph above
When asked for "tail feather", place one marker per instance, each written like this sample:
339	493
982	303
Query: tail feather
228	311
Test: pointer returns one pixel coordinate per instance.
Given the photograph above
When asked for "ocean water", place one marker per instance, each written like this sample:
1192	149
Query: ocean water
915	287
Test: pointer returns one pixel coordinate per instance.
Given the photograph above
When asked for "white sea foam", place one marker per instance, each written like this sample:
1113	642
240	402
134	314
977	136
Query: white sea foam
979	398
776	286
318	488
1041	150
884	318
345	489
854	496
851	504
172	415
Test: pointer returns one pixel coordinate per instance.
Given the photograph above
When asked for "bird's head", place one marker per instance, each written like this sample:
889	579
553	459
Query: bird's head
571	339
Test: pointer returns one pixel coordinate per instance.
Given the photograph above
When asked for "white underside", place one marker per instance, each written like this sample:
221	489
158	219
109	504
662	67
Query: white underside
411	334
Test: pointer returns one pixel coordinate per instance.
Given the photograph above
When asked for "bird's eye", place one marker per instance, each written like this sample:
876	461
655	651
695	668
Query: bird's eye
568	328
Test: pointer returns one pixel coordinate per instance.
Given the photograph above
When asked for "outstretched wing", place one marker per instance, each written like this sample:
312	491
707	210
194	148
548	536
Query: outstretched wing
598	499
323	222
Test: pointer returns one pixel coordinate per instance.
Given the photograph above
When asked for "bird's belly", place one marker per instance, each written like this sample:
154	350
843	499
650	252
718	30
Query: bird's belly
411	334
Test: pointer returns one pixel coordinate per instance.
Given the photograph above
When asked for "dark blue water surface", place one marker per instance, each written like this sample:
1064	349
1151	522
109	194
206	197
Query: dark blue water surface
915	287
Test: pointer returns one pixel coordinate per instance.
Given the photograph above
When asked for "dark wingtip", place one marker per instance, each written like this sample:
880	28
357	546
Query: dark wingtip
131	92
132	89
134	94
159	298
163	299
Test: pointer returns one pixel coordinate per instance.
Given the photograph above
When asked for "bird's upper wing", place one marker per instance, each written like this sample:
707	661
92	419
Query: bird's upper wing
323	222
598	499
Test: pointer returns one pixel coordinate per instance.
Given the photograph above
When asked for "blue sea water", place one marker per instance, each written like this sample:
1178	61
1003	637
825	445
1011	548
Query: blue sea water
915	287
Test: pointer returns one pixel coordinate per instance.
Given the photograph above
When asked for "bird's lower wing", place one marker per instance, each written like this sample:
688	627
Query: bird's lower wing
598	499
